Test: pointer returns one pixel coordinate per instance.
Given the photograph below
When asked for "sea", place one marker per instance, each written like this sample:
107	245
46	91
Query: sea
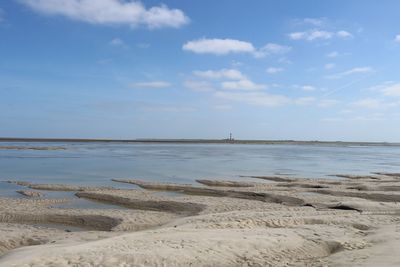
96	163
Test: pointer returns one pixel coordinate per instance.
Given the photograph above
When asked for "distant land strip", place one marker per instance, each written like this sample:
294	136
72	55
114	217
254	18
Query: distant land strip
198	141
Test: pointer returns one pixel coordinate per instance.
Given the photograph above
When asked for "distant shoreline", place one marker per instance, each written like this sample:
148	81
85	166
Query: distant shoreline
197	141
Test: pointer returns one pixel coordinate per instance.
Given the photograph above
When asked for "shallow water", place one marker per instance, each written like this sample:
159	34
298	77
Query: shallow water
97	163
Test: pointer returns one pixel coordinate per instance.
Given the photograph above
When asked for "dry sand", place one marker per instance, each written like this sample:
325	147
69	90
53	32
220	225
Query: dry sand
271	221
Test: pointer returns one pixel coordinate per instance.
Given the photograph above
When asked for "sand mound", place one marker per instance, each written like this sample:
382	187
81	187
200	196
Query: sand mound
154	205
264	197
57	187
224	183
30	193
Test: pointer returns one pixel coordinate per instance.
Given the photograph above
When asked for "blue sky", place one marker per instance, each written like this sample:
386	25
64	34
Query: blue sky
304	70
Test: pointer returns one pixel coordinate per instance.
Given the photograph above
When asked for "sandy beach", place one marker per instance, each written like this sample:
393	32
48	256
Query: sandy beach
260	221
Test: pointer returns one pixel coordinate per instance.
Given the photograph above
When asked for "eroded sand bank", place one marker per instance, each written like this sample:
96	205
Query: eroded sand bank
269	221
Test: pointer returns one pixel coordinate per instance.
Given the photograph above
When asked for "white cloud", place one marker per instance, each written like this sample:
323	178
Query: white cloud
326	103
218	46
111	12
358	70
391	90
285	60
232	46
313	21
317	22
397	38
372	103
230	74
370	117
153	84
263	99
254	98
273	70
304	101
272	49
235	63
297	35
313	35
305	87
368	103
198	86
344	34
329	66
333	54
118	42
242	85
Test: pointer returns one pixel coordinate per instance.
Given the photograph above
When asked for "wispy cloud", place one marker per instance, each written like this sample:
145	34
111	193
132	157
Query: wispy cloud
198	86
359	118
310	35
274	70
326	103
397	38
232	46
344	34
358	70
304	101
231	74
152	84
242	85
272	49
333	54
329	66
306	87
373	103
264	99
254	98
117	42
347	85
388	89
111	12
314	21
314	35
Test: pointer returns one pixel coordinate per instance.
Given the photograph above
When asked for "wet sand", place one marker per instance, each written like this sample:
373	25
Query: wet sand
262	221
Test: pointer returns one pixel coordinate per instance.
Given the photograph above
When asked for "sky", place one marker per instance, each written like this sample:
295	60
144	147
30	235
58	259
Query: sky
261	69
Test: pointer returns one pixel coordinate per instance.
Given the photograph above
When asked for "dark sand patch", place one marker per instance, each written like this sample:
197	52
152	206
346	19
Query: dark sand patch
191	190
154	205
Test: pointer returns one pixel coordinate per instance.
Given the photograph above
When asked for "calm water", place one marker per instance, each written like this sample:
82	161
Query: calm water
97	163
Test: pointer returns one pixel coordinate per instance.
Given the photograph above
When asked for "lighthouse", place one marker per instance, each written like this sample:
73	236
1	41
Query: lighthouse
230	139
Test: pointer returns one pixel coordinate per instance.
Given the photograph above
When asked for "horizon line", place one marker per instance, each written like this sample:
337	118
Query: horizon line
191	140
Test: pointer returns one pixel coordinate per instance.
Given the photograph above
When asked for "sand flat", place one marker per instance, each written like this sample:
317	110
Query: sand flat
288	222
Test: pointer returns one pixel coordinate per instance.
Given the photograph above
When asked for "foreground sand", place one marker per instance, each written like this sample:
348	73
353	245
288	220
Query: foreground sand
262	221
